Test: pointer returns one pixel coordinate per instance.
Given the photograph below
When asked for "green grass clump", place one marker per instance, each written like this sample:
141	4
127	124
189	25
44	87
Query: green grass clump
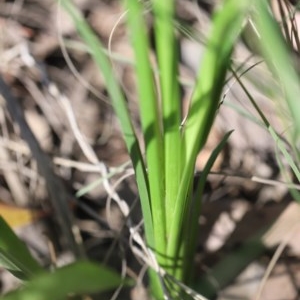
165	173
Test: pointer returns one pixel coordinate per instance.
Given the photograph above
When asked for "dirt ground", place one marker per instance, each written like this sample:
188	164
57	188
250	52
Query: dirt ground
48	75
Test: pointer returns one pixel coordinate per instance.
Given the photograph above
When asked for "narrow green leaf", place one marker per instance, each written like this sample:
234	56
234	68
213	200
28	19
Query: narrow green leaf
279	59
78	278
120	107
167	56
14	255
16	268
276	137
226	27
150	118
192	227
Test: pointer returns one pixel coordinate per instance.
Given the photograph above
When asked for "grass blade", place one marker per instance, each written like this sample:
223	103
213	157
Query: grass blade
279	60
119	103
277	139
226	27
167	56
14	255
193	227
78	278
150	118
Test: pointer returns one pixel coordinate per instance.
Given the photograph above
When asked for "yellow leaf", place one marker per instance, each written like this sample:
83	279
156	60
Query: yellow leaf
18	217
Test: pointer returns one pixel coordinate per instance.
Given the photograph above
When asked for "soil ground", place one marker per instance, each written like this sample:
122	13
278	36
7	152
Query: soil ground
46	67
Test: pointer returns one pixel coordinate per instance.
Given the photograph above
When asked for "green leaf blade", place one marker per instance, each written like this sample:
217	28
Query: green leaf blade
279	60
170	97
78	278
150	118
120	107
14	255
226	27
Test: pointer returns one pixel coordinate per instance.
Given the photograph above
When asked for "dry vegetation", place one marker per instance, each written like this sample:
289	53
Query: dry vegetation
47	69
